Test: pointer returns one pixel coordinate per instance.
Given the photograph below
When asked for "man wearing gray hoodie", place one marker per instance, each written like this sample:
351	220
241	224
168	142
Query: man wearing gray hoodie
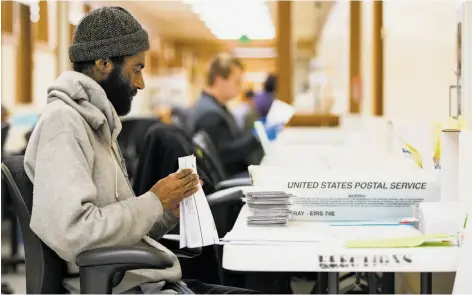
82	197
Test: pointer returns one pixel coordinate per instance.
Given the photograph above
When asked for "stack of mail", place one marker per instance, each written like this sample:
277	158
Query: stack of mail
197	226
268	208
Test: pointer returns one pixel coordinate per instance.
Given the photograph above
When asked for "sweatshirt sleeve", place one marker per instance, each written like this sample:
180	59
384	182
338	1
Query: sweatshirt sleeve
64	215
163	226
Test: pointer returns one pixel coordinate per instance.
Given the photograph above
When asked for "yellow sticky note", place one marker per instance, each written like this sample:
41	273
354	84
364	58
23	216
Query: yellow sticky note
437	150
406	242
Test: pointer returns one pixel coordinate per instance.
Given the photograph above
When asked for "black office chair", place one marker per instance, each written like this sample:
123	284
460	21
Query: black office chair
225	202
131	140
163	146
13	260
179	116
5	129
204	142
45	270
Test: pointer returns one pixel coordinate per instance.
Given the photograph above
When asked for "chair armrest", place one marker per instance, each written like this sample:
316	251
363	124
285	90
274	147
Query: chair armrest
233	183
143	257
98	266
229	195
172	242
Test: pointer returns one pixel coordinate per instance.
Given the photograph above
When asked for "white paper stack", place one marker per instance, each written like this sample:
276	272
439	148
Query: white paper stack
197	226
268	208
279	113
440	218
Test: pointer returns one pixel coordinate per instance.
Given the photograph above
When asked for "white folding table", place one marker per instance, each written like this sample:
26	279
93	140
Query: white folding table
329	255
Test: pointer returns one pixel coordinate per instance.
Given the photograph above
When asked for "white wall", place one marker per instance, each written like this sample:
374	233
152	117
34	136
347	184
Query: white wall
44	74
8	87
333	52
301	73
43	68
419	57
466	15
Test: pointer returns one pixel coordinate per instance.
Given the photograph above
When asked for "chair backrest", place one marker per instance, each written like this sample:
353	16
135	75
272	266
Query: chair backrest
163	145
131	139
179	116
5	129
203	141
45	270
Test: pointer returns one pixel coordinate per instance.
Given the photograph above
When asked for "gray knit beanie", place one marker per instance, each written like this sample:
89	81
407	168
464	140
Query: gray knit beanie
107	32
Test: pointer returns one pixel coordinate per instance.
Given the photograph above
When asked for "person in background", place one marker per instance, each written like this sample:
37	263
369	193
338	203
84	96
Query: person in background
82	197
163	112
263	100
245	112
169	113
237	149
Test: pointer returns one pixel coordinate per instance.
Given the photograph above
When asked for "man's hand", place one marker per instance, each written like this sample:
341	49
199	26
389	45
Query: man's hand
176	210
176	187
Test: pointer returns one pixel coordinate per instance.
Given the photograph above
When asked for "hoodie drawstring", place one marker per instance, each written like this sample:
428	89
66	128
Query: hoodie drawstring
116	173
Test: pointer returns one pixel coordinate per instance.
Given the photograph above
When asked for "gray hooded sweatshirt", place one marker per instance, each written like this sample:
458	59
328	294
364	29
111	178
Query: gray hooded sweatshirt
82	197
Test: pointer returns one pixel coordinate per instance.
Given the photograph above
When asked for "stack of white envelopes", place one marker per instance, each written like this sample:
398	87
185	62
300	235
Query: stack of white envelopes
197	226
268	208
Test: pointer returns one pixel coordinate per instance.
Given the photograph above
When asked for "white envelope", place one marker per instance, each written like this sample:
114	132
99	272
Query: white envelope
279	113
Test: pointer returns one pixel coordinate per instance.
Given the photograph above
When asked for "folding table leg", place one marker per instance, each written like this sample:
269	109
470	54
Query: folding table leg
388	283
321	283
333	283
372	282
426	283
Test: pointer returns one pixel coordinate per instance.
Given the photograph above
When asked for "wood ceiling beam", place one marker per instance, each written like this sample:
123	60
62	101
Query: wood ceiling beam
213	47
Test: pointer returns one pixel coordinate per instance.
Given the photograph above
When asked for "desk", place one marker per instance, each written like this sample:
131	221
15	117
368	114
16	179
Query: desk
332	257
311	136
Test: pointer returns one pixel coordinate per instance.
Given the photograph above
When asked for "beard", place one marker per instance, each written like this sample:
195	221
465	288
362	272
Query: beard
119	91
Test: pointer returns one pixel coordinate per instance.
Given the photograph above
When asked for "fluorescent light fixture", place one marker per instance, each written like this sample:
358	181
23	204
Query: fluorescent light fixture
76	11
28	2
231	19
34	9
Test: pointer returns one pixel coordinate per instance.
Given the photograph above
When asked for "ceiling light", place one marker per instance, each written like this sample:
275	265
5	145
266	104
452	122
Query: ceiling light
231	19
34	9
76	12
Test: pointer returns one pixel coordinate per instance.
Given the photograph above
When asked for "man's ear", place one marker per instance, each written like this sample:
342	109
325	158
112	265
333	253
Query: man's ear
218	79
104	66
